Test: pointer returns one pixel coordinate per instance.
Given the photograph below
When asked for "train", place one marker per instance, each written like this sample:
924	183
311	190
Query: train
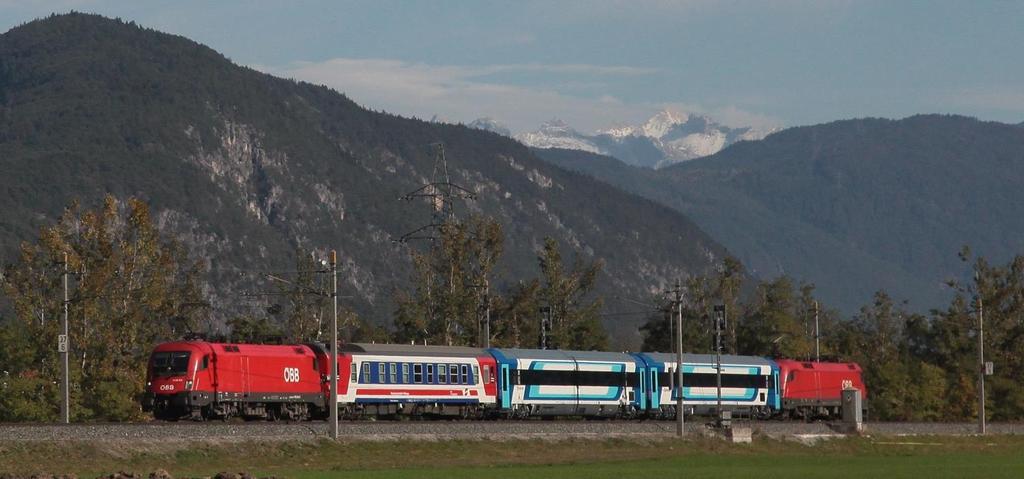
200	380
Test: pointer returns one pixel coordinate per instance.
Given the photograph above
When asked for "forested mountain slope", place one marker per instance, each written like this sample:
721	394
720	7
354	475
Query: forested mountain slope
245	168
853	206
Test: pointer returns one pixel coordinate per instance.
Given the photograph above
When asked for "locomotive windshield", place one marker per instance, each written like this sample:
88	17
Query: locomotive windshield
172	363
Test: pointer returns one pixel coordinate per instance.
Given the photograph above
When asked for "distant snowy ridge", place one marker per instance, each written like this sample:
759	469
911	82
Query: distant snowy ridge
557	134
490	124
667	137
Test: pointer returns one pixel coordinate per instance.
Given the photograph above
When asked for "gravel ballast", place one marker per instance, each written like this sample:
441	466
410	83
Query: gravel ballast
393	430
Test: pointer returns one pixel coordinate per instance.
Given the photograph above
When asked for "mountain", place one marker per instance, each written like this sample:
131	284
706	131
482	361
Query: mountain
491	125
666	138
244	168
853	206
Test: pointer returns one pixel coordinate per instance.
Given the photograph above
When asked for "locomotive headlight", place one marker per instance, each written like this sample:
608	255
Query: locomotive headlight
188	385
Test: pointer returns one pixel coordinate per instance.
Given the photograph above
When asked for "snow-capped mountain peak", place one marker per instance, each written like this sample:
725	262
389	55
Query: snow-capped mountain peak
662	122
556	126
667	137
556	133
619	131
490	124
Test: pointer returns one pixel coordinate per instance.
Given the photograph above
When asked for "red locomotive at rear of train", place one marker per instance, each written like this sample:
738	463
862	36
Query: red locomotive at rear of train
196	379
814	389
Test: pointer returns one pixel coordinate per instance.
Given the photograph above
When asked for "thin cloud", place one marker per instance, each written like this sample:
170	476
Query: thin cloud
991	98
462	93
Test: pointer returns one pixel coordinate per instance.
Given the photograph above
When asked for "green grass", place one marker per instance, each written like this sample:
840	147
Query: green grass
699	467
921	457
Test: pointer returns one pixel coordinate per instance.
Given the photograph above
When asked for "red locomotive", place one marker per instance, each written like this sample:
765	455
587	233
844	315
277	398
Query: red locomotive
198	379
814	389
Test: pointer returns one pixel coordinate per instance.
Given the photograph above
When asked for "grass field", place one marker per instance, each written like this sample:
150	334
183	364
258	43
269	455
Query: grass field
918	457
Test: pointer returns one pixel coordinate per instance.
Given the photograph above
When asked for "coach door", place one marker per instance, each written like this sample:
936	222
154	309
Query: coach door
576	385
653	389
506	389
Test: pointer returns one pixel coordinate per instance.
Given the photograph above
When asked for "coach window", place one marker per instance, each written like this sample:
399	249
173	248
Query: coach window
354	374
393	372
453	374
405	373
442	374
417	373
366	372
465	374
382	373
487	373
430	374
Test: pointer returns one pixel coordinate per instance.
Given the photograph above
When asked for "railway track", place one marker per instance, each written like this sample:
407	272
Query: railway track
428	430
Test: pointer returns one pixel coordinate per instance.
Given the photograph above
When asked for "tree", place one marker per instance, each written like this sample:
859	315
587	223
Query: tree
879	330
132	288
253	329
727	284
519	325
999	291
576	320
452	282
700	295
308	300
775	324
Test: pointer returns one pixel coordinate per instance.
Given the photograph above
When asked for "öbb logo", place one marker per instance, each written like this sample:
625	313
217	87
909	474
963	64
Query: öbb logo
291	375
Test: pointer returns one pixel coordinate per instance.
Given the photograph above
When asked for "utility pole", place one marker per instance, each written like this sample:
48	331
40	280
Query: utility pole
487	320
63	343
334	347
545	324
440	193
981	368
817	351
719	318
680	412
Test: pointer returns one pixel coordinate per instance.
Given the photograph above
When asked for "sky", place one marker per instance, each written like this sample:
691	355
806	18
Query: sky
605	63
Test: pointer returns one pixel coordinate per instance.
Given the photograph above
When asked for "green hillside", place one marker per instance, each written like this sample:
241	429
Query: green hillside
853	206
245	168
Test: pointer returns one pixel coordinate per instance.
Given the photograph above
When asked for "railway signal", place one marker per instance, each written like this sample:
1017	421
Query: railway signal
545	326
680	409
718	317
334	346
983	367
62	347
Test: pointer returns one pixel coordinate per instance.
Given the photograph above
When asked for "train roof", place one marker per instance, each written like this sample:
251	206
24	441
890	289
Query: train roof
817	366
710	359
412	350
237	348
564	355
